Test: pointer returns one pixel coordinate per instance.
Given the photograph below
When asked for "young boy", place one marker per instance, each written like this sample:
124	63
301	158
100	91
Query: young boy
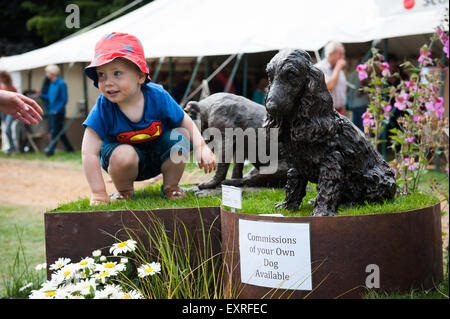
132	125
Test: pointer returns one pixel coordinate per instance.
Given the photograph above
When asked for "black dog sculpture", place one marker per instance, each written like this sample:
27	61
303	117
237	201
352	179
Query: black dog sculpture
322	146
226	110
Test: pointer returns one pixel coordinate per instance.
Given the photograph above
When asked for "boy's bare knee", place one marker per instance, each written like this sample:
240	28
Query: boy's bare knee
123	157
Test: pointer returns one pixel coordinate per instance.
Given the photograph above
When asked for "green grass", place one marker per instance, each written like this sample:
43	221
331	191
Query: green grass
257	202
59	156
21	235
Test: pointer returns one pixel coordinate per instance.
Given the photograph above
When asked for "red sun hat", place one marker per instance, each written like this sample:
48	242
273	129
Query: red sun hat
117	45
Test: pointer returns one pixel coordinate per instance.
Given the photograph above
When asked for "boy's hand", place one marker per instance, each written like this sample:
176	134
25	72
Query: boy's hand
206	159
97	199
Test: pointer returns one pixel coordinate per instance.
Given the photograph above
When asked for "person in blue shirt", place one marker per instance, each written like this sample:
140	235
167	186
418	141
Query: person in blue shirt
132	126
56	99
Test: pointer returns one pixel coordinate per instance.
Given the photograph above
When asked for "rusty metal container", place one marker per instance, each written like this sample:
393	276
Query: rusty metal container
406	246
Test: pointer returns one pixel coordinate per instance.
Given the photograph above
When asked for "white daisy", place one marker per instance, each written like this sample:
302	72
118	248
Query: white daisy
87	262
123	247
84	287
132	294
110	266
101	276
108	292
68	272
61	262
41	294
96	253
28	285
149	269
40	266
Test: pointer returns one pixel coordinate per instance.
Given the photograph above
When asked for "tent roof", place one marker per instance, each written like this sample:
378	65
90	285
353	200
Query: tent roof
217	27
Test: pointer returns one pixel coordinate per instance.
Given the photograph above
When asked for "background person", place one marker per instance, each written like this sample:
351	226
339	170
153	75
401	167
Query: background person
333	69
56	100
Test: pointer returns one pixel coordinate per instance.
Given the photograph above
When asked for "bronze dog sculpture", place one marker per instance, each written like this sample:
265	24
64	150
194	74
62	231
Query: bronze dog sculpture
226	110
322	146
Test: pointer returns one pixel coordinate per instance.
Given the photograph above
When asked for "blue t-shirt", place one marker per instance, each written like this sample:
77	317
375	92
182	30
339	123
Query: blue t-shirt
161	113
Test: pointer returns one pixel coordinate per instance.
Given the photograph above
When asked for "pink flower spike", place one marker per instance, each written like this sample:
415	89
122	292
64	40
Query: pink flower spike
424	58
406	160
401	101
416	118
388	108
368	119
362	74
385	69
411	139
413	166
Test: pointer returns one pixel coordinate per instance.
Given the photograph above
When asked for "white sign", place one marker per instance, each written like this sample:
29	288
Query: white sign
275	255
232	196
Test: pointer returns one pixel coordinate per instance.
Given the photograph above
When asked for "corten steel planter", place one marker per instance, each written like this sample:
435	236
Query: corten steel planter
406	246
75	235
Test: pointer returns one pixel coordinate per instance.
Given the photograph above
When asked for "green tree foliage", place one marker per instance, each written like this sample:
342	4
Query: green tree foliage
49	16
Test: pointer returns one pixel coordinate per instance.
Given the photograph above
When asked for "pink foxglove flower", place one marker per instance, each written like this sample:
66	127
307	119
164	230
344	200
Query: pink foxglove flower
385	69
362	73
411	139
368	119
401	101
424	58
444	38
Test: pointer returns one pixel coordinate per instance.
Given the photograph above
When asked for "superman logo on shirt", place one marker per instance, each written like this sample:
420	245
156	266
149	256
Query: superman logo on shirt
148	134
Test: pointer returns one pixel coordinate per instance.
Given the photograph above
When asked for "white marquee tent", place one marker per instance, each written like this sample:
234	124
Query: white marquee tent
215	27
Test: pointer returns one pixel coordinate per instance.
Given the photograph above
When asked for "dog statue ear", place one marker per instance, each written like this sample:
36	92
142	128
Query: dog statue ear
316	98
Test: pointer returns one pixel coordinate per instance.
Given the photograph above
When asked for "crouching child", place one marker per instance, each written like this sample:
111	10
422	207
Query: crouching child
132	125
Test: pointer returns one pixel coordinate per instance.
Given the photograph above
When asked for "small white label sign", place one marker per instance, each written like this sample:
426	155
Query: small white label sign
275	255
232	196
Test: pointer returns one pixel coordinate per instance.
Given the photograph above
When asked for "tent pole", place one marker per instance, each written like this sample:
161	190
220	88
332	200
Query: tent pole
244	80
231	57
158	68
170	75
233	72
191	80
205	76
85	91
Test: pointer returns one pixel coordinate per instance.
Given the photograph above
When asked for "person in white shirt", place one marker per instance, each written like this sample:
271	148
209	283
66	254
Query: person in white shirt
333	69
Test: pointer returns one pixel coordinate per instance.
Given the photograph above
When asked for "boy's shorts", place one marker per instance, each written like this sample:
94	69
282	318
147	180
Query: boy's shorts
151	158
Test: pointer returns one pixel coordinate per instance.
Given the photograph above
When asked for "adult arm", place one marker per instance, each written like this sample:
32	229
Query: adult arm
21	107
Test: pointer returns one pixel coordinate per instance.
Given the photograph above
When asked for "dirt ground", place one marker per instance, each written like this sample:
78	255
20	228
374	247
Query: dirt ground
47	184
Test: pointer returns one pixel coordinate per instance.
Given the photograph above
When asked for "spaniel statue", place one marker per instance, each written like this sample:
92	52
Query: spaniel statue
323	147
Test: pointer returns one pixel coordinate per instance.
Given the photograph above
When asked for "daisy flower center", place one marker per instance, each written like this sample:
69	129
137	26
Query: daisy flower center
83	263
122	244
50	293
149	270
110	265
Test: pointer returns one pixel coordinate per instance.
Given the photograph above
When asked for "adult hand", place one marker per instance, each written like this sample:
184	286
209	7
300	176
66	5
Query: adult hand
341	63
21	107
